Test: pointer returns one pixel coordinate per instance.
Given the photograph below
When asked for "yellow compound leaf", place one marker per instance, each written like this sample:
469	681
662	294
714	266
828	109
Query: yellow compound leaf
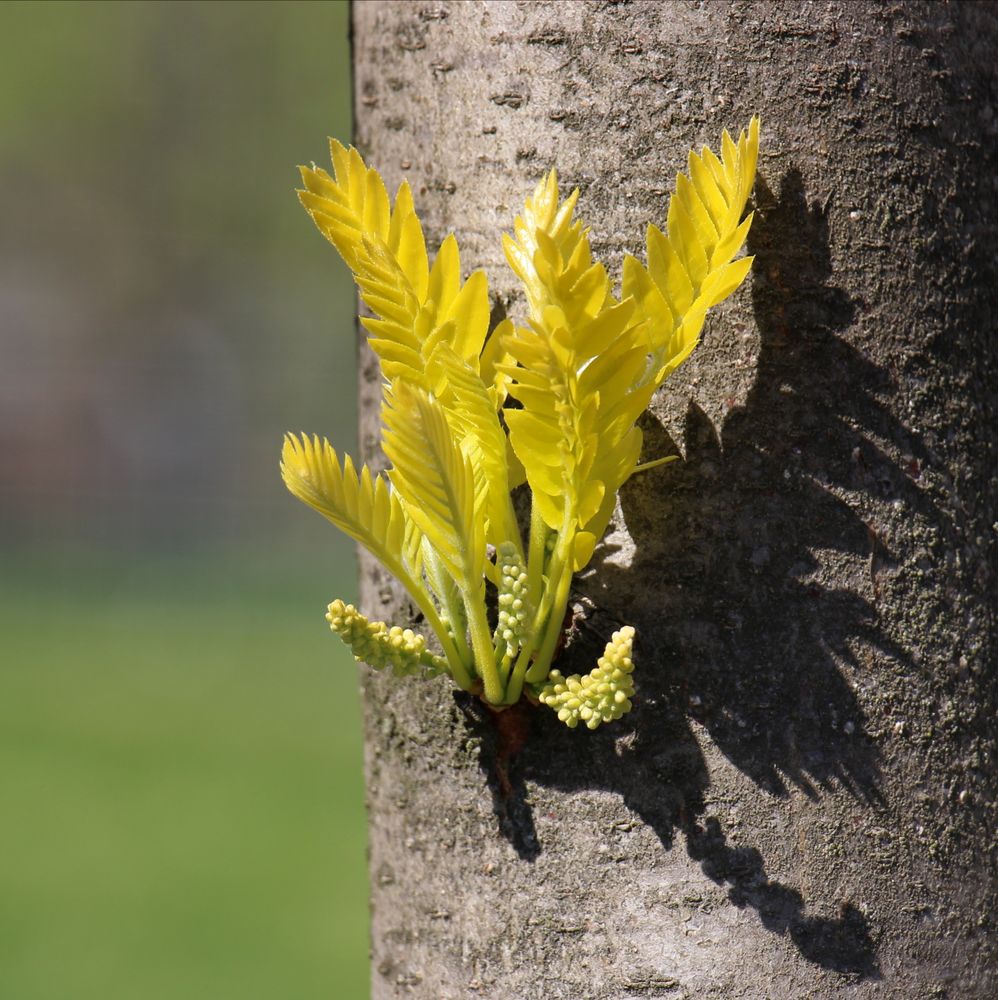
436	480
553	400
474	424
691	266
416	306
556	434
362	507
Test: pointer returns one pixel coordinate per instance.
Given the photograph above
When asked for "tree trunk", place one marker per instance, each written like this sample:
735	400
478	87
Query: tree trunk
802	803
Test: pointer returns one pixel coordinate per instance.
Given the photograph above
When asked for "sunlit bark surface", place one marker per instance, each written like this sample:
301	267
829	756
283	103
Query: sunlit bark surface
802	802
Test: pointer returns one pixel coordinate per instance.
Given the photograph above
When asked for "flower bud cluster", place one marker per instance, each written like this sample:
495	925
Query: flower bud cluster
402	650
514	607
600	696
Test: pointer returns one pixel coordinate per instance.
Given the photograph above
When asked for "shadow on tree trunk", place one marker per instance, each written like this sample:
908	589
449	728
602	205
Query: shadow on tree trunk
737	630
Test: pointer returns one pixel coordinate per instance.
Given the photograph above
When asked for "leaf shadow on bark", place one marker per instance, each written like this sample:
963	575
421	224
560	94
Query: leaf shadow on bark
738	627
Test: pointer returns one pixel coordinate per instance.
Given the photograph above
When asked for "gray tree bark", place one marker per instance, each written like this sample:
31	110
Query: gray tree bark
802	803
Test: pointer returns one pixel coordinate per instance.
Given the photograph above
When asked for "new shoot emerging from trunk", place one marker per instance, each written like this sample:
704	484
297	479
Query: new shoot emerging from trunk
470	414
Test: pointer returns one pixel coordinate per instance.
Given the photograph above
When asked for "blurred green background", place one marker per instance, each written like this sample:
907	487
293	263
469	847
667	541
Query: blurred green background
180	763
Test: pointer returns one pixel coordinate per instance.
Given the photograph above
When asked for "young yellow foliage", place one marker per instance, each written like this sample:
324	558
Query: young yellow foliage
691	267
362	507
436	480
473	418
580	367
573	320
416	307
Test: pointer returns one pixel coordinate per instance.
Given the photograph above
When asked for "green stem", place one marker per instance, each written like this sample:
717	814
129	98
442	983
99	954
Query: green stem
421	598
514	687
512	528
549	616
459	670
504	662
448	596
538	549
481	644
541	666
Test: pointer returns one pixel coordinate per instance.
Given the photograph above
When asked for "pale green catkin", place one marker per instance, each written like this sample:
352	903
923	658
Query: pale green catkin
600	696
381	647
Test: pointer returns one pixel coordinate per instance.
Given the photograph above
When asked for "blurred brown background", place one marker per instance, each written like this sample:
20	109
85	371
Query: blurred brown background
165	309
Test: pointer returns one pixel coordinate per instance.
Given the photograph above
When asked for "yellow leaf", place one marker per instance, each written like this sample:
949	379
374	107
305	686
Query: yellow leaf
584	543
435	480
474	424
469	312
445	275
362	507
494	355
690	265
385	248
